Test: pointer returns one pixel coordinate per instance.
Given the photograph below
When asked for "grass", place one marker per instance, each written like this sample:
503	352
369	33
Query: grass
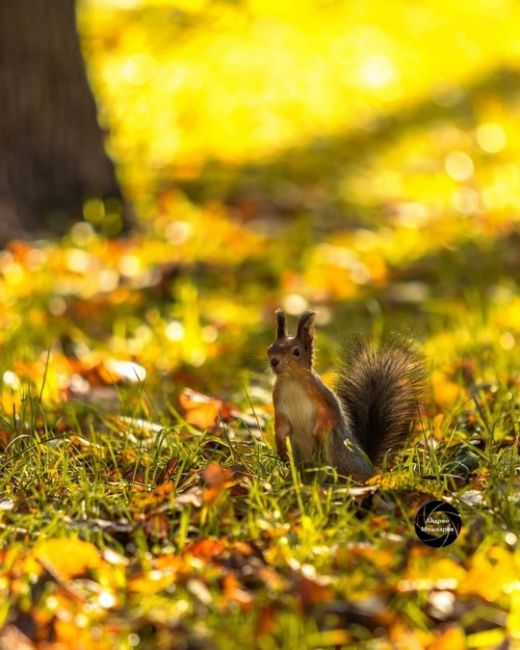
136	514
246	553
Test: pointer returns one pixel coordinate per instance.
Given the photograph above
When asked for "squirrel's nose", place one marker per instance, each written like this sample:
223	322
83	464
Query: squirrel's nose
274	361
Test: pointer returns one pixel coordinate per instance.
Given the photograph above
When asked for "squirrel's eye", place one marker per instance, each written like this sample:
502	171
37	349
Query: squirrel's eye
296	352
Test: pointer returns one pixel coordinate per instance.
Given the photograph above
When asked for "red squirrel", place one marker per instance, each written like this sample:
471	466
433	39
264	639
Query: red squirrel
368	415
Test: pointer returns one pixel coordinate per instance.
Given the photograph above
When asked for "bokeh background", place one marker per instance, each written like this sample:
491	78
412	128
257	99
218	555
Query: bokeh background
357	157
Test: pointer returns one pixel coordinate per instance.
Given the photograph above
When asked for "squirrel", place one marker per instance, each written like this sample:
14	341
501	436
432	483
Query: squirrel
367	416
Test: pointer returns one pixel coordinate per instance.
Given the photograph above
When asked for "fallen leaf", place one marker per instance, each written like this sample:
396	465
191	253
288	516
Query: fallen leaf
144	501
157	526
68	558
234	593
138	425
203	411
199	410
492	572
206	549
168	470
200	591
151	583
311	591
217	478
118	370
265	621
445	391
451	639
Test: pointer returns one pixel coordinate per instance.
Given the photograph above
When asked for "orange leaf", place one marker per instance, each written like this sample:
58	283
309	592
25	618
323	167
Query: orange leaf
217	478
207	549
170	563
243	548
200	410
234	593
450	639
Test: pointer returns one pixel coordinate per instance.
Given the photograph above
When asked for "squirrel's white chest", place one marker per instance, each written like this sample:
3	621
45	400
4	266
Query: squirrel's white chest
299	409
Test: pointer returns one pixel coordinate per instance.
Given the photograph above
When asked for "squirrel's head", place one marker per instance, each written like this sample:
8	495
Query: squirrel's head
292	355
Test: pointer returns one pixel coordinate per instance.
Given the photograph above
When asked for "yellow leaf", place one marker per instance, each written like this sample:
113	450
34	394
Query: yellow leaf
427	571
150	583
486	639
450	639
68	558
492	572
445	391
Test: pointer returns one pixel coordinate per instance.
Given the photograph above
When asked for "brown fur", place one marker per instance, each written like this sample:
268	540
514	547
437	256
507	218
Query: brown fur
306	410
368	416
380	388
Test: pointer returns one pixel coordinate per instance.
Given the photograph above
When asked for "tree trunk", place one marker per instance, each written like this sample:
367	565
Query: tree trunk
51	147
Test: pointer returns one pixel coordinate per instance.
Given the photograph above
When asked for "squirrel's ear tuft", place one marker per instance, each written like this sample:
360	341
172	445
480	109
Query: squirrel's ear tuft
281	324
305	331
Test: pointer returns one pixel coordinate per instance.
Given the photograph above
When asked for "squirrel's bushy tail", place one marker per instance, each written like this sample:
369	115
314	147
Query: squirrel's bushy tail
379	388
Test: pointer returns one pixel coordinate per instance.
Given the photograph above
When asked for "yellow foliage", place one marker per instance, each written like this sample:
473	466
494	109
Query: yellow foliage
426	570
451	639
446	391
68	558
493	573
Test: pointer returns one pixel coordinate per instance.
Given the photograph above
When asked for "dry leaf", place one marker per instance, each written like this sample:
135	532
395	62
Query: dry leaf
207	549
202	411
68	558
157	526
217	478
118	370
492	572
234	593
199	410
451	639
265	621
168	470
311	592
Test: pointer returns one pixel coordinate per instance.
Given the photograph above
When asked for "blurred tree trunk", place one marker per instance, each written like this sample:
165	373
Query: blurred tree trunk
51	146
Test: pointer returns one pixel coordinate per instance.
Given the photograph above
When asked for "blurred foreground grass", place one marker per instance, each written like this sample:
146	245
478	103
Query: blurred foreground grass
354	157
